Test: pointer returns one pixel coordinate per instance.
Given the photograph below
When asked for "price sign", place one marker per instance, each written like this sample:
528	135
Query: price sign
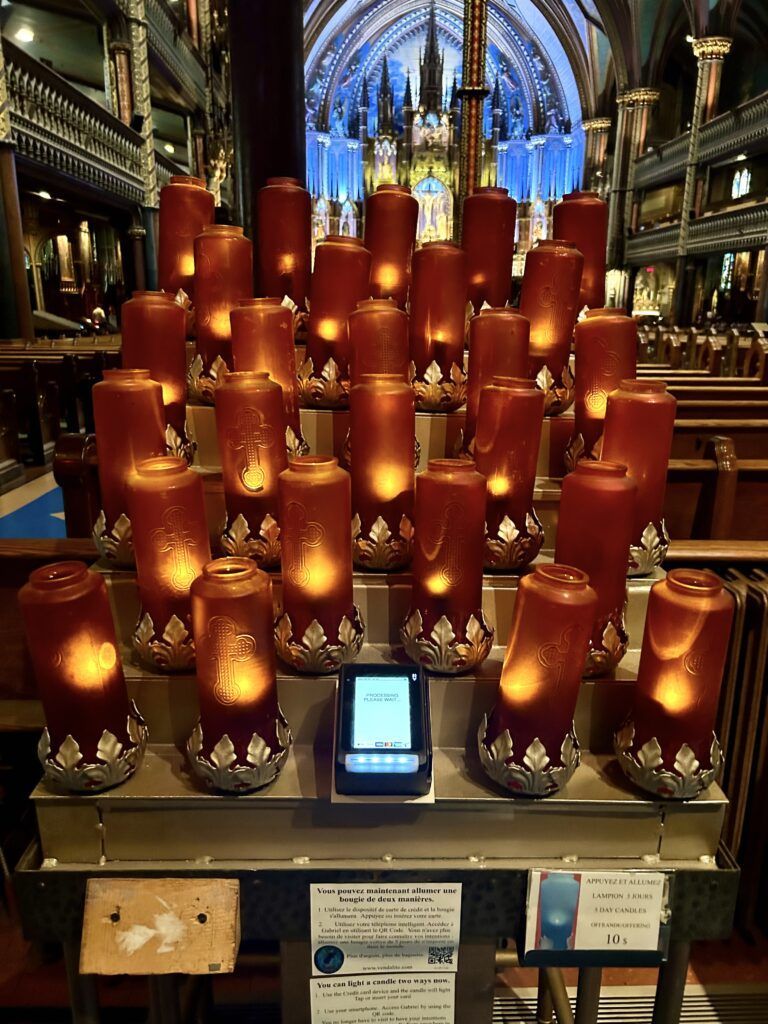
595	912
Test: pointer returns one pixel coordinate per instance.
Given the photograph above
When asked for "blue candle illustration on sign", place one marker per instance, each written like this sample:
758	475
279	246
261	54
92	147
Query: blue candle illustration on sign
558	905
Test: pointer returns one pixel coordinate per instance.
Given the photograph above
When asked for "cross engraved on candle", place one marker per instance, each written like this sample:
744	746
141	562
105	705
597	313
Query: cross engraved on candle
555	655
449	538
228	648
299	534
250	435
559	314
695	661
596	394
175	538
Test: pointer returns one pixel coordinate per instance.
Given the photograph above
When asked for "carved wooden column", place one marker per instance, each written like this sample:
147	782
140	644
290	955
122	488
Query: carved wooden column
120	58
267	71
15	306
596	130
709	53
642	100
473	92
619	179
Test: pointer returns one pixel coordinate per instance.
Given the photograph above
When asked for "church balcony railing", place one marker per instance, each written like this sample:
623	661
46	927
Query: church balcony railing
56	125
736	229
166	169
170	42
743	129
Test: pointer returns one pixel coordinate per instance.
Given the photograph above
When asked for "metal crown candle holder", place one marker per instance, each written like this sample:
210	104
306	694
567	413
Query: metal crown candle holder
329	390
180	444
650	552
382	548
513	545
575	451
558	394
115	545
169	648
683	780
314	653
533	774
201	386
435	393
225	771
442	651
261	544
613	643
115	762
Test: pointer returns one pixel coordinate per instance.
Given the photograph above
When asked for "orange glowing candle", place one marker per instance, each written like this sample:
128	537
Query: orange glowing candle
539	686
448	549
223	277
550	299
186	209
685	644
232	618
382	464
438	307
606	354
170	536
154	334
71	641
498	347
130	426
488	239
391	215
262	340
250	423
316	538
378	340
340	280
284	249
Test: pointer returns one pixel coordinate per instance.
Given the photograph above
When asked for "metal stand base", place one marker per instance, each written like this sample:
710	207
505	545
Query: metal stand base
670	989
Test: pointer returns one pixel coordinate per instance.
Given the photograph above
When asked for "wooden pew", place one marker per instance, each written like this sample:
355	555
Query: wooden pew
690	437
37	407
11	469
75	469
717	409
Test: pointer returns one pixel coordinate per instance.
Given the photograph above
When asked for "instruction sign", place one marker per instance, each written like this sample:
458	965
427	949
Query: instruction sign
384	999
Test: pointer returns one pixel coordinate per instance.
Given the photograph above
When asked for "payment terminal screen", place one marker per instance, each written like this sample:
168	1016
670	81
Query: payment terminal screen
382	714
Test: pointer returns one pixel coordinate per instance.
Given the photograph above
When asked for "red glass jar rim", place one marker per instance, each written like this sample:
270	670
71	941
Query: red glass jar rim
350	240
242	378
223	230
441	244
502	311
694	582
451	466
58	574
607	311
601	468
391	187
312	463
644	386
147	293
127	375
162	465
514	383
578	194
294	182
230	568
383	378
262	302
187	179
377	306
490	190
554	243
559	575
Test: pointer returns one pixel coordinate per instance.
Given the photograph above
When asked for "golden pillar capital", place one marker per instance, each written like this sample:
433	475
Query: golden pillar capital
711	47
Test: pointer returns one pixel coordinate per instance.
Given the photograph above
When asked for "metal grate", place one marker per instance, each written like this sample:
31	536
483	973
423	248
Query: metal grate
635	1006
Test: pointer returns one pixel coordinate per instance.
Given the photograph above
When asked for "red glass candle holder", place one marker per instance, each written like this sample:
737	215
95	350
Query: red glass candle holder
130	426
488	239
154	335
506	453
284	251
223	277
668	746
186	210
594	530
378	340
639	424
391	216
242	739
170	540
582	218
94	736
262	340
382	471
550	299
340	280
498	347
606	354
528	742
438	325
445	628
250	423
320	627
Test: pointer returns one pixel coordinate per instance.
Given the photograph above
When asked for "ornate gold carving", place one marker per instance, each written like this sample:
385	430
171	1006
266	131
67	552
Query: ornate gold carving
711	47
381	549
533	775
263	547
441	651
683	780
